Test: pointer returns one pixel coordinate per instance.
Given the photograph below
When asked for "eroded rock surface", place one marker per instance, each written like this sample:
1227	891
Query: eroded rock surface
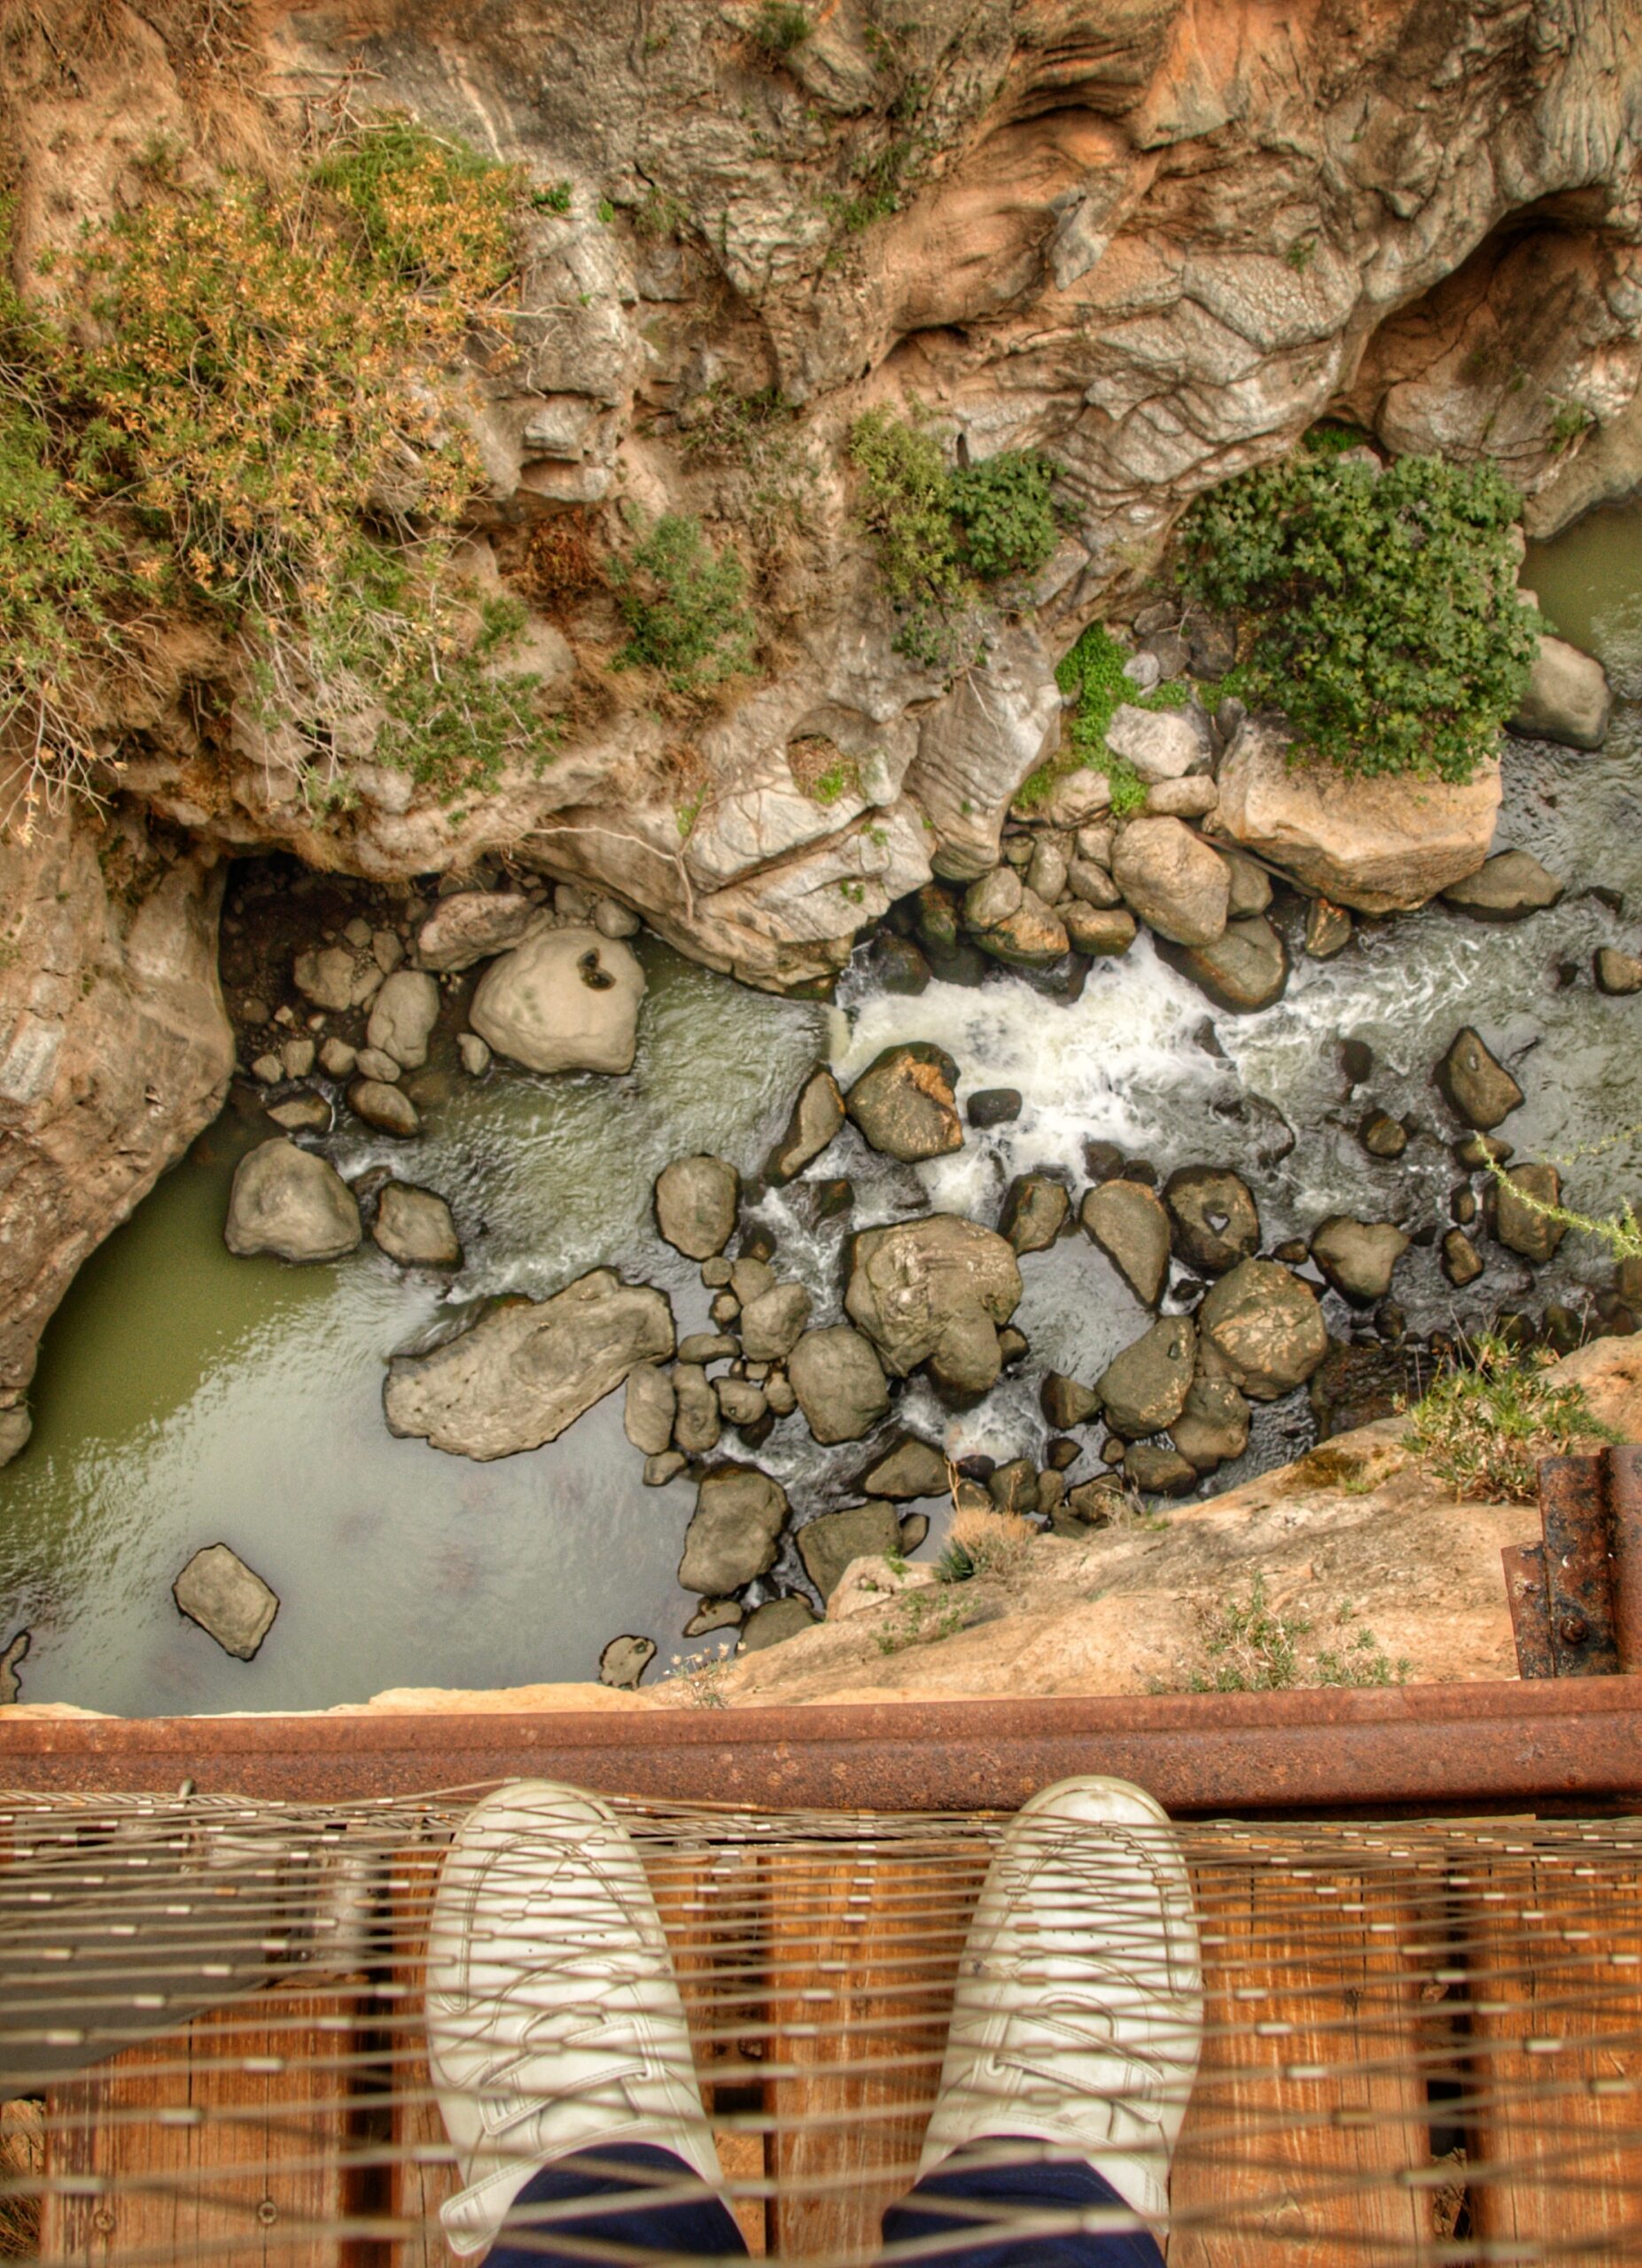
528	1368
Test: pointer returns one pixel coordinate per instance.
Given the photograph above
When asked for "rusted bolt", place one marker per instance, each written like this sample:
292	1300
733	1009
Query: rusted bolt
1574	1630
267	2212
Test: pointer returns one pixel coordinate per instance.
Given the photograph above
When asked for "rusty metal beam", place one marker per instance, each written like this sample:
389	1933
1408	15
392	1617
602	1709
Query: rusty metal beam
1624	1508
1440	1747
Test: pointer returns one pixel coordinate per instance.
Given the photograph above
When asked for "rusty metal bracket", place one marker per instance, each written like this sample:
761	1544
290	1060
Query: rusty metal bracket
1575	1595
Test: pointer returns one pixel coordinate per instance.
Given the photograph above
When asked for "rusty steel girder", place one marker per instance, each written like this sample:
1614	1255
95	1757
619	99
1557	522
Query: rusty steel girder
1576	1595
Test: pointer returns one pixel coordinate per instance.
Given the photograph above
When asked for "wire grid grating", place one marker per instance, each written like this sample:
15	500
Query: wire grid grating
1420	2041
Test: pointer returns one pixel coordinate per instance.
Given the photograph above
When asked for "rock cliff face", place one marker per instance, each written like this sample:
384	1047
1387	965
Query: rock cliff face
1157	238
114	1050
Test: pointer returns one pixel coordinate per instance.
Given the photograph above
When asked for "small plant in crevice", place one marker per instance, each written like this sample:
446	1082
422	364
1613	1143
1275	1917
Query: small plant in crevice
758	438
1378	605
918	1620
683	603
1484	1428
780	26
1251	1646
985	1543
1092	674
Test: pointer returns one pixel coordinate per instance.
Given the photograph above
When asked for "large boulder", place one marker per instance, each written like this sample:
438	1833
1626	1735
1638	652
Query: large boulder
1023	933
1377	845
291	1203
1357	1257
1172	881
731	1538
472	925
1245	968
1525	1203
1145	1389
912	1468
839	1382
402	1017
817	1117
528	1368
770	1325
696	1202
1034	1212
1215	1219
565	1001
1475	1085
903	1102
935	1291
1567	697
1262	1329
1127	1221
828	1545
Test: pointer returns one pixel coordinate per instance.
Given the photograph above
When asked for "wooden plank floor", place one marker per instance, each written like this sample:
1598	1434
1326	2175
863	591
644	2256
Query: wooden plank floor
817	1978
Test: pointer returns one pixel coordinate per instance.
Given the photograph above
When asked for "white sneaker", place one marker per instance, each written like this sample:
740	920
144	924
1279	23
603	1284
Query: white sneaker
1078	2018
554	2021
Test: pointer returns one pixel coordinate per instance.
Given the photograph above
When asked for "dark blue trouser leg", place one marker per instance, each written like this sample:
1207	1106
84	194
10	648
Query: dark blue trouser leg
1051	2181
618	2211
620	2214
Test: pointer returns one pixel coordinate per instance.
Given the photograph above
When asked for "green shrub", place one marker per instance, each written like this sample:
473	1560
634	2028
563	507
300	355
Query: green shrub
1379	608
1092	674
682	601
758	435
1005	508
261	402
937	530
905	507
1483	1429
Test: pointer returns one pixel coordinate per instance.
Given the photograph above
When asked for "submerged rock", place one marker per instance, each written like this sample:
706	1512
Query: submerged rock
414	1227
935	1291
1508	887
995	1106
777	1619
695	1203
1065	1403
1475	1085
1264	1329
903	1103
403	1016
1127	1221
565	1001
1145	1389
1617	973
1567	697
1175	883
839	1383
828	1545
1358	1257
1244	970
226	1599
731	1538
527	1368
624	1662
817	1118
291	1203
1215	1219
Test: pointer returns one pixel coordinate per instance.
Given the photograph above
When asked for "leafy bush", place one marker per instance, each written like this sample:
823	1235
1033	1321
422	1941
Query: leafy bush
682	601
935	529
781	26
1485	1429
905	507
1093	673
1379	608
1005	508
254	413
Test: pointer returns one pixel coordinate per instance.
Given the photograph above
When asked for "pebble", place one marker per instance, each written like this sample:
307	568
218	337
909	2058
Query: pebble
474	1053
269	1069
296	1055
338	1059
702	1347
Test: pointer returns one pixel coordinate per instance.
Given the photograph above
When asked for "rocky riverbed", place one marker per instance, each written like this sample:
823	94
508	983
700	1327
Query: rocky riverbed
573	1293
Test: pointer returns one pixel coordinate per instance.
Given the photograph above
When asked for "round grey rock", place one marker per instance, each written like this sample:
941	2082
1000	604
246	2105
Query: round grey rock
839	1383
826	1545
291	1203
414	1226
567	1000
696	1202
226	1599
385	1107
903	1103
1357	1257
1264	1329
403	1016
1475	1085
